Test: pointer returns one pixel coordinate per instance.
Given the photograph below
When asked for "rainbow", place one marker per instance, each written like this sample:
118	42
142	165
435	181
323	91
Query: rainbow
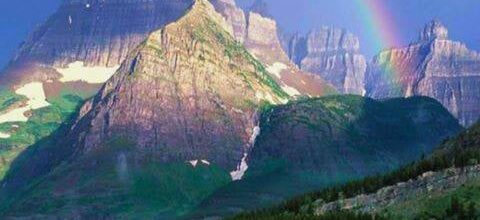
382	33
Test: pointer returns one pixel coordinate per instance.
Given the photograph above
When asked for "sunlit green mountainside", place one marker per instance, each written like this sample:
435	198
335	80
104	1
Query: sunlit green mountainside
455	196
314	143
42	122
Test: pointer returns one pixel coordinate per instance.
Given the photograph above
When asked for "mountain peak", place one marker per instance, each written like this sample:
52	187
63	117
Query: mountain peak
203	9
434	30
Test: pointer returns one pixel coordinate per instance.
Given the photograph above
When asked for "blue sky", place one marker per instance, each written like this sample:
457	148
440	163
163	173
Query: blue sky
19	17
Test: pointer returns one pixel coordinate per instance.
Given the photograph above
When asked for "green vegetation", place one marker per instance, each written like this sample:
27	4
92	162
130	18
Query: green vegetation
8	97
117	180
40	125
461	203
312	144
461	151
290	216
235	50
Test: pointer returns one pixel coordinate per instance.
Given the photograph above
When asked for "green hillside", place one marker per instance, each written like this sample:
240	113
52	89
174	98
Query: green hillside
311	144
461	203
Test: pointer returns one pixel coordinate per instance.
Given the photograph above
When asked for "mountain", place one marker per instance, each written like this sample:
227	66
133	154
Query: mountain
434	66
259	34
68	58
166	130
443	185
310	144
332	53
97	33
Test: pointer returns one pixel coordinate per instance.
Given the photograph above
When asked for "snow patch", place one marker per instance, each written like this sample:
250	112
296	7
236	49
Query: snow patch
276	69
36	100
241	169
255	133
290	90
193	163
4	135
364	92
76	71
264	96
243	166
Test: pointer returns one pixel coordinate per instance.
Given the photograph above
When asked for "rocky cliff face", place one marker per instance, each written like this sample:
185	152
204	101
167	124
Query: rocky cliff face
99	33
334	55
430	183
434	66
260	37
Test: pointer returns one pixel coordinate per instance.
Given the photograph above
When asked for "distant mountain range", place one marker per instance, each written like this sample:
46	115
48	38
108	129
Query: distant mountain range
434	66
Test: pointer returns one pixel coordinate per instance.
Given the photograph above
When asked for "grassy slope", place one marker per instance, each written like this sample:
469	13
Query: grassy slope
41	124
311	144
117	181
460	151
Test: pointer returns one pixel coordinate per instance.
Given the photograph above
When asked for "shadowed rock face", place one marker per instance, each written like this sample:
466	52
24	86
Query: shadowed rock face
334	55
98	32
435	66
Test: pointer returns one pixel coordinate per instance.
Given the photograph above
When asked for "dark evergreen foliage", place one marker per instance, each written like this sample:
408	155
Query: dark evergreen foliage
464	150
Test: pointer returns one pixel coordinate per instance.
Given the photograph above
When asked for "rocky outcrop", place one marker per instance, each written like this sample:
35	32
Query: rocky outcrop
334	55
260	37
234	16
427	184
434	66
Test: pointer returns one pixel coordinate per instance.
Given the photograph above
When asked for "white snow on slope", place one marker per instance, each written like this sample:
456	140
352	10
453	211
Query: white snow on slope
290	90
264	96
36	100
4	135
193	163
241	169
243	166
76	71
276	69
